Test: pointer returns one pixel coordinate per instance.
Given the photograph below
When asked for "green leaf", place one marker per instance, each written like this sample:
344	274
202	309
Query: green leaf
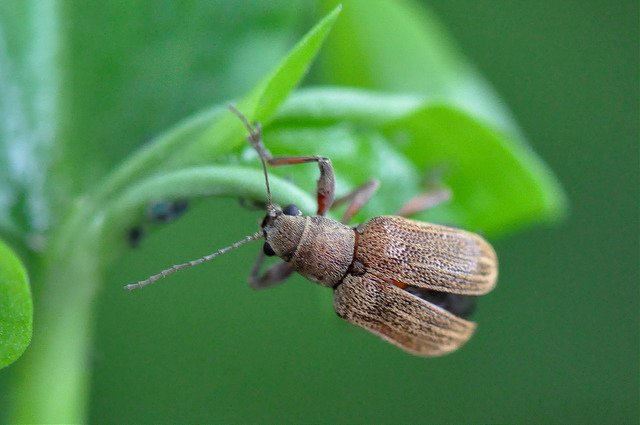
318	105
276	88
498	186
400	140
16	308
399	46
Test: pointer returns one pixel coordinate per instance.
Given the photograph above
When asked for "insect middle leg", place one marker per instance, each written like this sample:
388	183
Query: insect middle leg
357	199
425	201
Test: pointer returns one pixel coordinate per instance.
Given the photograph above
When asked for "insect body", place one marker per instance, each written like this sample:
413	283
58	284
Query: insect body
407	281
371	267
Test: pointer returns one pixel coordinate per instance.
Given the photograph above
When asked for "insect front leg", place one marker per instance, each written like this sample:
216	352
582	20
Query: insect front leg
273	276
326	183
357	199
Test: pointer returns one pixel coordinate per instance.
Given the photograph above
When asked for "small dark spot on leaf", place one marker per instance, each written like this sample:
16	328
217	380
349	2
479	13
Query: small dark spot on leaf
166	211
134	236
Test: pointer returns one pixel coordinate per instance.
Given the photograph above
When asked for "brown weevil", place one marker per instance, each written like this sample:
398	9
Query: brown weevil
409	282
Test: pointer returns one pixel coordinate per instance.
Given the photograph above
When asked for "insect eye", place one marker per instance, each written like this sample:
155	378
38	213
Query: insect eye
291	210
268	251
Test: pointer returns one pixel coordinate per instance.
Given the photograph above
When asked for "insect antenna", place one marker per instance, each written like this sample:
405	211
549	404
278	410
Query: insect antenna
255	138
177	267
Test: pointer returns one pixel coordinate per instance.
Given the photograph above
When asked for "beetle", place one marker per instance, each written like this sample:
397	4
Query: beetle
409	282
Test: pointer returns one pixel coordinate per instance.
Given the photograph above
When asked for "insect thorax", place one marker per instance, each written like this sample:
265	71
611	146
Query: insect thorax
318	248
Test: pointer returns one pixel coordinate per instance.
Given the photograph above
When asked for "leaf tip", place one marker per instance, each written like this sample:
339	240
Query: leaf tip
16	307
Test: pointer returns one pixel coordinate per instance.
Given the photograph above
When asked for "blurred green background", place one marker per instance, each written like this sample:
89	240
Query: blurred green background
557	340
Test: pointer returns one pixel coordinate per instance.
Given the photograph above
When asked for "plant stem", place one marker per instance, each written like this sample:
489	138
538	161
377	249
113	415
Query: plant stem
53	384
